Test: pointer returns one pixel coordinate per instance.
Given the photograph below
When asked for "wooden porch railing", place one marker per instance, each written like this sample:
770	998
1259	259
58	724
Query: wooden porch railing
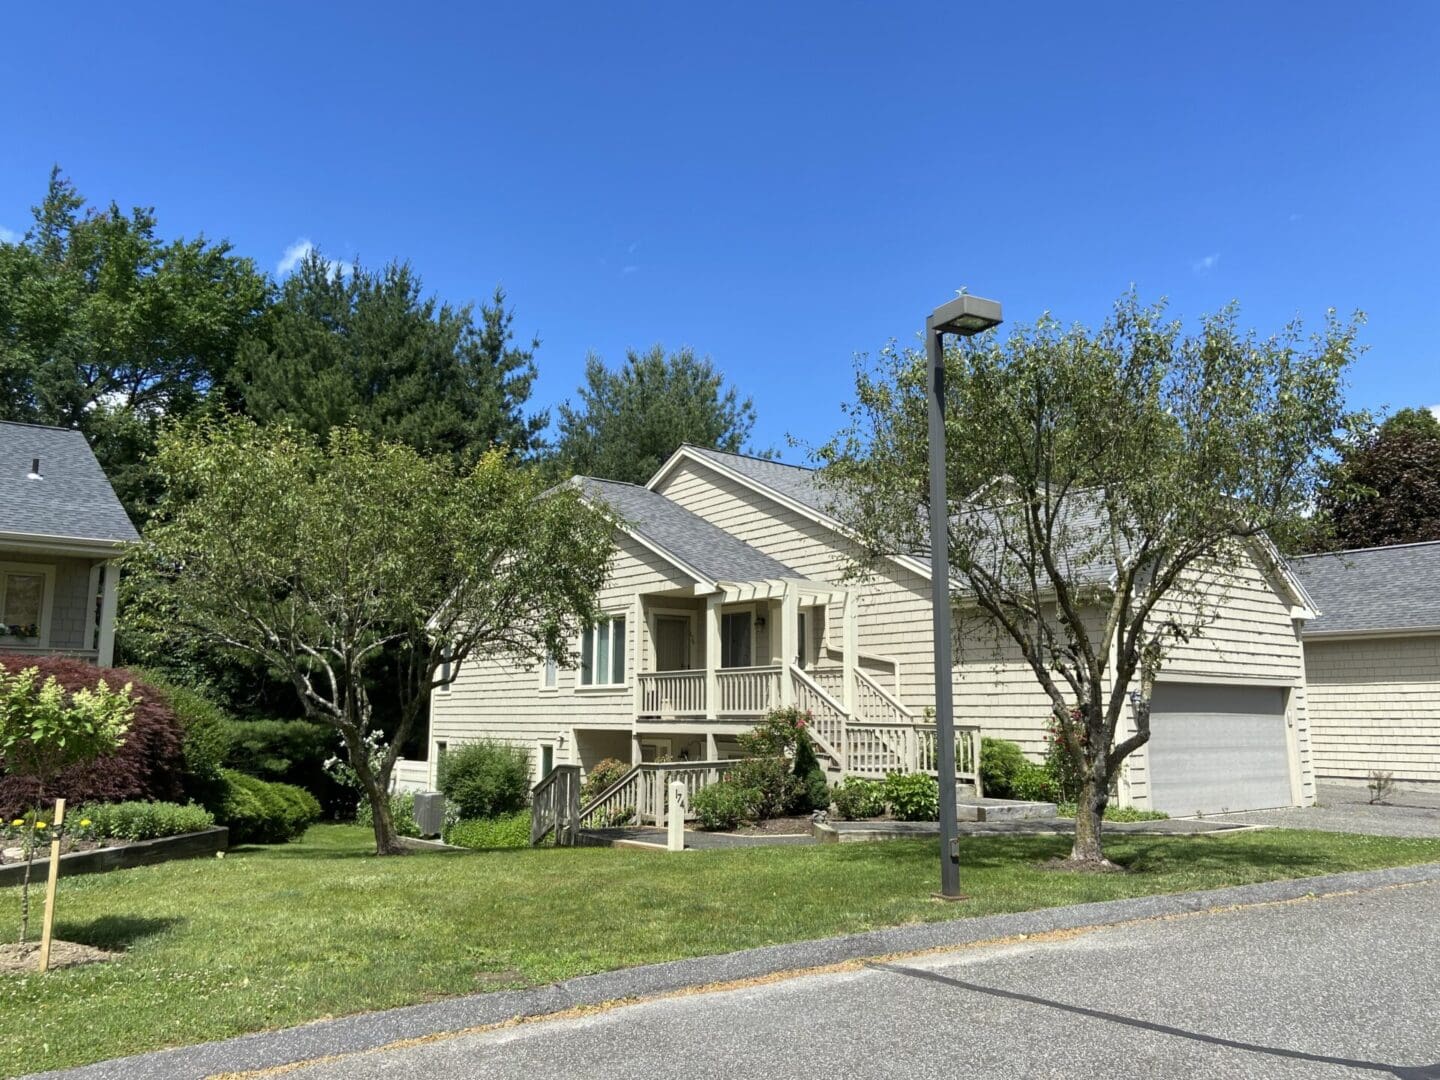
828	719
748	691
555	806
873	750
640	796
672	693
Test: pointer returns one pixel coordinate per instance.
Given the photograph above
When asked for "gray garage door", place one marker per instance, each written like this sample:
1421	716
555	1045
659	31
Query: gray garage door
1218	748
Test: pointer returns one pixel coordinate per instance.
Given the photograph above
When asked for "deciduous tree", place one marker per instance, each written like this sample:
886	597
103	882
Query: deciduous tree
1103	485
1385	489
318	556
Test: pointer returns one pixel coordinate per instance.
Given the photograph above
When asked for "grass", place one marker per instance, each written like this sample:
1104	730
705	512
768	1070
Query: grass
274	936
1114	813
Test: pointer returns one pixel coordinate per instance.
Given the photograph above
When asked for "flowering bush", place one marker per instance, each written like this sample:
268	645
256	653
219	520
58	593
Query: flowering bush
1063	770
599	778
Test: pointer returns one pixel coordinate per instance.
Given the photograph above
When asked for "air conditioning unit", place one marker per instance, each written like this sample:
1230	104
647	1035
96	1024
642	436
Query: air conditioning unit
430	813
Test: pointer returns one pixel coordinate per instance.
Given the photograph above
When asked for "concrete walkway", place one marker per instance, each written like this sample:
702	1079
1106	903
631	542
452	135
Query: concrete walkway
349	1041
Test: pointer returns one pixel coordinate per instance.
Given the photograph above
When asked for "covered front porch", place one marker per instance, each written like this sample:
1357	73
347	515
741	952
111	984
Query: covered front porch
728	656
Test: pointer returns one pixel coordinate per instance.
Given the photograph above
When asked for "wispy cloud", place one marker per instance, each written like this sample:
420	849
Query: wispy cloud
630	269
1206	264
300	250
8	236
1435	411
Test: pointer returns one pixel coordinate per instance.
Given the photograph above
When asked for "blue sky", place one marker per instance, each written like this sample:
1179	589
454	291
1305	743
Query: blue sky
779	186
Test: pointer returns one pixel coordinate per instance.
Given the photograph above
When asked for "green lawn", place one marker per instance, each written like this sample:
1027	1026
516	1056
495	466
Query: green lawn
273	936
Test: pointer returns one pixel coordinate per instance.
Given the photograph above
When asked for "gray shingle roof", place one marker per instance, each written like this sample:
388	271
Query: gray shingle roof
74	499
794	481
692	540
1384	588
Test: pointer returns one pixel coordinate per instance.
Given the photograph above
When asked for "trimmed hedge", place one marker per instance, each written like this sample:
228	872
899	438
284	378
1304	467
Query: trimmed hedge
292	752
137	820
489	834
149	765
485	779
726	805
265	812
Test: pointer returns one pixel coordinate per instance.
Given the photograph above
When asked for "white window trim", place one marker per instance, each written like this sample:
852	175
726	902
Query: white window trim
606	618
540	745
446	662
740	609
544	665
47	601
650	626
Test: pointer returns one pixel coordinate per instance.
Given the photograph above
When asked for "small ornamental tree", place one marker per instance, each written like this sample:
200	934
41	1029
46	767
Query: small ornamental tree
318	557
45	730
1103	485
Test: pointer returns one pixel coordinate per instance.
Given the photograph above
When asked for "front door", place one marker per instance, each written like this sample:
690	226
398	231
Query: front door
672	643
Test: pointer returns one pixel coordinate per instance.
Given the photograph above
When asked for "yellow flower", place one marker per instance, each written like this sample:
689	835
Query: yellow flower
19	822
84	821
40	824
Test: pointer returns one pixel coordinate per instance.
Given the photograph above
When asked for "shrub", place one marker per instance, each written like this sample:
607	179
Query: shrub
290	751
486	779
913	796
1115	813
601	777
726	804
506	831
856	798
1035	783
149	764
205	739
265	812
813	790
1065	776
1000	761
402	812
137	820
775	787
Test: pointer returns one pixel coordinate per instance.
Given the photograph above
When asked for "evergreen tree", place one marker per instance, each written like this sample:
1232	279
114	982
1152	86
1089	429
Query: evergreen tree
366	348
629	421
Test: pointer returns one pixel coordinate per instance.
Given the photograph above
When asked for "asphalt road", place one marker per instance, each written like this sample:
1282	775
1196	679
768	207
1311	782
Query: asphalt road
1340	986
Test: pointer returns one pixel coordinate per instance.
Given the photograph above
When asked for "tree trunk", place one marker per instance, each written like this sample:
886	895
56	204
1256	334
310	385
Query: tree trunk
1089	818
387	840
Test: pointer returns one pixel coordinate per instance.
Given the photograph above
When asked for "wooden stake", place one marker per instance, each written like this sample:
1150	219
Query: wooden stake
49	920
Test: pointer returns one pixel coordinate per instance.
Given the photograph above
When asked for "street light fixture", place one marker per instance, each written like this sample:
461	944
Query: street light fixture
964	316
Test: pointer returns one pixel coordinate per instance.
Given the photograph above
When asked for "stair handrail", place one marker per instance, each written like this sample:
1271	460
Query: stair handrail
837	753
555	806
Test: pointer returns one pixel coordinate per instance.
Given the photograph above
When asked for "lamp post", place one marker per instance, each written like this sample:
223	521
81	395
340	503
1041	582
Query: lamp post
964	316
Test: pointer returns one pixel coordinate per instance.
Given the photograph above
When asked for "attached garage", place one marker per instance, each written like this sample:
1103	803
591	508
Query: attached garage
1218	747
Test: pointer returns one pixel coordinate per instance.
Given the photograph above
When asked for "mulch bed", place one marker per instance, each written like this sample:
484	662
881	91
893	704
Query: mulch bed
776	826
20	959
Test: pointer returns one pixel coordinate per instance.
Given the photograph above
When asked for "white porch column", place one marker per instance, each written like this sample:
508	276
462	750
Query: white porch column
852	648
712	751
789	644
712	655
106	657
635	752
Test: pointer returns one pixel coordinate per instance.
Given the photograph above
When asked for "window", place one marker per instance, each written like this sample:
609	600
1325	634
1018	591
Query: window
804	649
547	759
550	674
446	672
22	603
735	639
602	653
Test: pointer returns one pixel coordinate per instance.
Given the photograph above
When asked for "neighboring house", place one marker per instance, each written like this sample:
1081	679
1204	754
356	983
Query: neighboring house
1372	661
729	594
61	529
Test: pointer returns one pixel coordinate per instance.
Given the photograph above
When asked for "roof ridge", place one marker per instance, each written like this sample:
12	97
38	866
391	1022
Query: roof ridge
42	427
1361	550
749	457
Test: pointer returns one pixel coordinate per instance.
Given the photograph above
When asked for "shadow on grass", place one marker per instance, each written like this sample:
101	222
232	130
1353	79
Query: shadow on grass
115	932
